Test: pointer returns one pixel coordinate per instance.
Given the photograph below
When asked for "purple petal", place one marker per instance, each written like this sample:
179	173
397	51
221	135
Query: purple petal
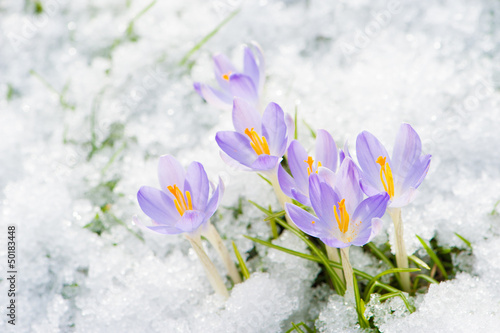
326	150
327	175
368	188
296	157
157	205
265	162
322	198
223	67
170	173
370	208
233	163
347	185
301	197
245	115
367	231
343	153
214	201
290	128
368	149
406	153
214	97
274	129
242	86
286	181
237	146
334	242
404	198
262	65
197	182
416	175
191	221
304	221
250	67
165	230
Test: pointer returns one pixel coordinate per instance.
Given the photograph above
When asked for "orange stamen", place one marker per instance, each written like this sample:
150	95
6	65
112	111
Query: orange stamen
310	162
259	144
180	201
386	176
226	76
342	216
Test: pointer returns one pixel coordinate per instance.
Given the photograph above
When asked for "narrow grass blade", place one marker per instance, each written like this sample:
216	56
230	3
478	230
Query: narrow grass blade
402	296
337	283
360	306
313	133
207	37
243	266
419	262
464	240
423	277
433	256
371	284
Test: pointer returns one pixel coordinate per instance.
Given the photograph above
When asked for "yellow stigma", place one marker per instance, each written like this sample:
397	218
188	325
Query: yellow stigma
342	217
310	162
259	144
386	176
180	201
226	76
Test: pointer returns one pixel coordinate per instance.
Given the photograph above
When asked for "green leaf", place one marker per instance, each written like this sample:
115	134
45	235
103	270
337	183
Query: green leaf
402	296
243	266
419	262
464	240
130	28
267	180
313	133
360	305
207	37
371	284
424	277
433	256
296	327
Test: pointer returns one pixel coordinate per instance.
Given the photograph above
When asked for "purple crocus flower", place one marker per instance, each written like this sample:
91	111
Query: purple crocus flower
183	204
259	142
342	218
233	83
399	175
302	165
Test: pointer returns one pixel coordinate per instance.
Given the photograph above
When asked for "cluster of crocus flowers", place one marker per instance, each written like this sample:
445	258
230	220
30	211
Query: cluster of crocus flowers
246	84
184	205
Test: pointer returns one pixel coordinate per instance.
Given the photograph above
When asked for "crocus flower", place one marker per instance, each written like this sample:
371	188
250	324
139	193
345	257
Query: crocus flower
302	165
342	218
183	204
399	175
246	84
258	142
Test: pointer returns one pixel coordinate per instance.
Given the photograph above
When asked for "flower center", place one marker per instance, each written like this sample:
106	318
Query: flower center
342	216
310	162
386	176
226	76
180	201
259	144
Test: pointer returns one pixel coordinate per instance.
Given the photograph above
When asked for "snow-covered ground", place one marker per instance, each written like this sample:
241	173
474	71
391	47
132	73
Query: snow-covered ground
92	92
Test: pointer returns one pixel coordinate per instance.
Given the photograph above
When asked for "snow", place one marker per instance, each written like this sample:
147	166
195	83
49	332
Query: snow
72	75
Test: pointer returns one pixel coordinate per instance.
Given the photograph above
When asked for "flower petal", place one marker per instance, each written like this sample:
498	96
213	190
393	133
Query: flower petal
170	173
406	153
214	201
286	181
290	129
198	185
223	67
327	175
369	230
262	64
370	208
368	149
250	67
323	198
326	150
165	230
296	158
214	97
347	185
157	205
301	197
417	173
242	86
404	198
304	221
274	129
232	162
334	242
245	115
191	221
265	162
237	146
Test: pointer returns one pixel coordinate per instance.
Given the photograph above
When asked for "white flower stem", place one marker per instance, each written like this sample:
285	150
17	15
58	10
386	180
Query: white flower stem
333	255
401	255
348	273
214	238
210	270
282	198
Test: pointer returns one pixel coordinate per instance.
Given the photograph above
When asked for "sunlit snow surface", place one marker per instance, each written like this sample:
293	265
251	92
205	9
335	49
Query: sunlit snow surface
347	66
